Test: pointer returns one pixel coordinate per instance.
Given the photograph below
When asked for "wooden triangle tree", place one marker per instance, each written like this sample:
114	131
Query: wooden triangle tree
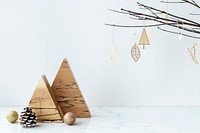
44	104
144	40
68	93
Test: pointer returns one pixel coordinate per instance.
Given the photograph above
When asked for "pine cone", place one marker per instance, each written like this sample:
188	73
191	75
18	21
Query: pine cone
28	118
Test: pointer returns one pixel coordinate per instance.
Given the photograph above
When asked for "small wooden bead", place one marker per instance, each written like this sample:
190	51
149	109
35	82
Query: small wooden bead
69	118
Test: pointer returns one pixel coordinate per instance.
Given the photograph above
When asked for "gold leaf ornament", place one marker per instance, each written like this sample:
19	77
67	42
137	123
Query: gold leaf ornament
192	53
135	52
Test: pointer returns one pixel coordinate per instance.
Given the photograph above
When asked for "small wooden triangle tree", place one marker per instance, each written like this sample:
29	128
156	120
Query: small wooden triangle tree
44	104
144	40
68	93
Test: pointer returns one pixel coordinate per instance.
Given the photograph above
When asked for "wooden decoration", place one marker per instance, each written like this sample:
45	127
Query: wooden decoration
69	118
68	93
44	104
135	52
144	40
113	54
192	53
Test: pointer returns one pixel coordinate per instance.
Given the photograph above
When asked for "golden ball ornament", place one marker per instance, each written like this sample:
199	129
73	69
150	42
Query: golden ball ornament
69	118
12	116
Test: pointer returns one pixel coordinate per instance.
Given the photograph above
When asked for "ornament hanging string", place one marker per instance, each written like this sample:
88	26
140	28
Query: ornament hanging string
194	44
144	19
113	36
135	36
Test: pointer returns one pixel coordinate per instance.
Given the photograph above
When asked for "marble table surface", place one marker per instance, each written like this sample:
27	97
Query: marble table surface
118	120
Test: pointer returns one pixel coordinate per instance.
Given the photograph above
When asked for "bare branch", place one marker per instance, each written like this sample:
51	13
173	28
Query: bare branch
118	11
137	14
173	32
151	11
135	26
194	14
158	16
172	2
192	3
175	16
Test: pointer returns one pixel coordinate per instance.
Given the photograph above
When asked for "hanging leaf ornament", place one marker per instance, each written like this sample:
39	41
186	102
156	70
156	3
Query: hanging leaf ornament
192	53
135	52
113	54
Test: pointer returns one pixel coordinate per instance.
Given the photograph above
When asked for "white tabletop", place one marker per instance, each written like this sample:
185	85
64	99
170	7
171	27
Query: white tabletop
118	120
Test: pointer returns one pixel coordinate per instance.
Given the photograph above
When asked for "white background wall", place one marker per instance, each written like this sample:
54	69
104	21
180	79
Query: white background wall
35	36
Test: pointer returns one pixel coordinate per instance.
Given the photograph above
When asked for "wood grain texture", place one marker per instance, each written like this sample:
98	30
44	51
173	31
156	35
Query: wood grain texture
44	103
68	94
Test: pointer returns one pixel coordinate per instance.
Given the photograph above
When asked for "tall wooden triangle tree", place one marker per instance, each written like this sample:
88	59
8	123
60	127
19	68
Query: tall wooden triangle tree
68	93
44	104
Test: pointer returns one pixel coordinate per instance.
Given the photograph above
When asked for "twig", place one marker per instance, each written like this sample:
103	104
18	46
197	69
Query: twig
137	14
192	3
194	14
154	15
172	2
175	16
178	33
135	26
163	21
